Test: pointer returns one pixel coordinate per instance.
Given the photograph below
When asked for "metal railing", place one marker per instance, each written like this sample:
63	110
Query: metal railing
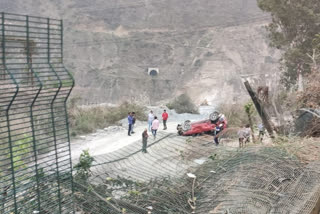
35	159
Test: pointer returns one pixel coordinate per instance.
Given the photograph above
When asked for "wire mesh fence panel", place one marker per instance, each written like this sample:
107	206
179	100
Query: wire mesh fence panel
193	175
34	139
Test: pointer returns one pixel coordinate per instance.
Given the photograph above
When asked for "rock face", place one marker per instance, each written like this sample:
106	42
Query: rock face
201	47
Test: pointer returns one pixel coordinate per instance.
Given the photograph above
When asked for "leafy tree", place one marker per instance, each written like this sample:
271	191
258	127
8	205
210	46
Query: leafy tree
295	30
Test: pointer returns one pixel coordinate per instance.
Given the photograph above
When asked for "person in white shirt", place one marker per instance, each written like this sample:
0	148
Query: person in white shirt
150	119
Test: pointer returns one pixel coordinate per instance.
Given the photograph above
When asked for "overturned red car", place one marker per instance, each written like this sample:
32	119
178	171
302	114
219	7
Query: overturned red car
215	122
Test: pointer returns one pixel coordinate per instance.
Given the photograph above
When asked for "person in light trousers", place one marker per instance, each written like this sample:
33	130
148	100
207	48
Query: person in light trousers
150	119
155	126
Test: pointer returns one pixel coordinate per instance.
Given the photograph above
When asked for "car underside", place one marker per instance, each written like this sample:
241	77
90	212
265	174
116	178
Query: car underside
208	126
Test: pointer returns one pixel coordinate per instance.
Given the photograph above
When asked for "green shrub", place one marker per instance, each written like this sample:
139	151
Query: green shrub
183	104
83	167
19	152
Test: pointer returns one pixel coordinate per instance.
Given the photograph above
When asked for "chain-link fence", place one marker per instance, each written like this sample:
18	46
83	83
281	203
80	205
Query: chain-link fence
34	141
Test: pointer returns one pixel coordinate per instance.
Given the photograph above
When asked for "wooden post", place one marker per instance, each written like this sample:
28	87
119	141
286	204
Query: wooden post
264	116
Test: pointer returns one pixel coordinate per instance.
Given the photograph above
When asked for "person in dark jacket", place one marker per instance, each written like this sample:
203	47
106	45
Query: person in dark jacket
130	120
220	125
133	121
144	140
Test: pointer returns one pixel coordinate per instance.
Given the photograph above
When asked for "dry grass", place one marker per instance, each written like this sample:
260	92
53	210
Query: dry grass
305	149
236	114
183	104
87	120
310	97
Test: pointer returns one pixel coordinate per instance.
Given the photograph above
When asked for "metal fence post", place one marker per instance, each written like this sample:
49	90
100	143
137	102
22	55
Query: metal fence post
7	114
52	117
31	114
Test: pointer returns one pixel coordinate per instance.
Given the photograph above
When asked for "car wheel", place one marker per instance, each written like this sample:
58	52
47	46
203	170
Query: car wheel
186	126
214	116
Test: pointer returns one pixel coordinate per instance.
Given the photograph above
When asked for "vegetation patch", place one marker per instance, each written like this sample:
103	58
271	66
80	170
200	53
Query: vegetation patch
88	119
307	150
294	30
183	104
236	114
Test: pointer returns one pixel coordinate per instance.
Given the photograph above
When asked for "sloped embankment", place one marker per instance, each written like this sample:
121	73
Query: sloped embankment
260	180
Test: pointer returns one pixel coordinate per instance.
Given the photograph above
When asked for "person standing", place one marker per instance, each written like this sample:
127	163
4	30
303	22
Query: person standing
150	119
133	121
241	135
144	140
217	130
247	133
130	120
164	119
261	131
155	126
220	125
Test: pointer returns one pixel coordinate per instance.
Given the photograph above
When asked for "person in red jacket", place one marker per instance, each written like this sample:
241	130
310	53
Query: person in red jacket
165	118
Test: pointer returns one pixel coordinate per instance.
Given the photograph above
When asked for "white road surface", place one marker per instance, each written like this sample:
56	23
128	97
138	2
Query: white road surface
114	138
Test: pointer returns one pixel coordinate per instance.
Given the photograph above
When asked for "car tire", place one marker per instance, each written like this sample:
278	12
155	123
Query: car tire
214	116
186	126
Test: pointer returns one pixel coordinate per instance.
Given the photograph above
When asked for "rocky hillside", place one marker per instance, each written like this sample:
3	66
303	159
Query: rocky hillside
200	47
